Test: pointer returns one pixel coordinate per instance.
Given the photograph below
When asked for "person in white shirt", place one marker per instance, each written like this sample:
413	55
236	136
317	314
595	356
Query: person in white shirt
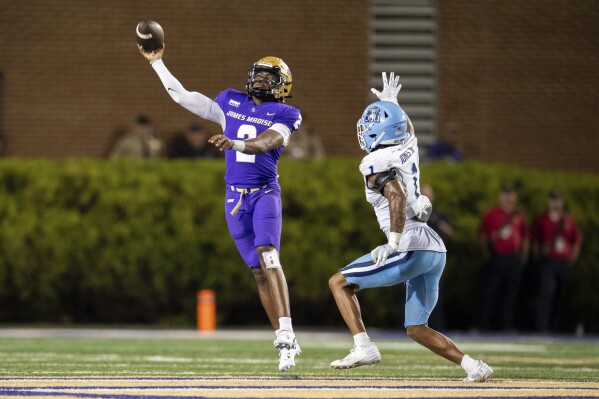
414	253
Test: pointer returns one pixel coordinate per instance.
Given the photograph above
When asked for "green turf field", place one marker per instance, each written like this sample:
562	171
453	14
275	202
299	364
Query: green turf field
142	364
548	359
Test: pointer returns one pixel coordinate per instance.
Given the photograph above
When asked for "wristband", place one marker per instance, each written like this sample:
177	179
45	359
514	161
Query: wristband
394	239
238	145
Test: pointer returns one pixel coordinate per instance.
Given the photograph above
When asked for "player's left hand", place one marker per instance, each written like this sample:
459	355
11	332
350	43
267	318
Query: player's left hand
221	142
380	254
422	208
391	88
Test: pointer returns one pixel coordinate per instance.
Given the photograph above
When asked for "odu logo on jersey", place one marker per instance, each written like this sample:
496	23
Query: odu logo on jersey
373	115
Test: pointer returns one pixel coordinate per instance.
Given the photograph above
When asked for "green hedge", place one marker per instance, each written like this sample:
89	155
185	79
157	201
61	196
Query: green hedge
98	241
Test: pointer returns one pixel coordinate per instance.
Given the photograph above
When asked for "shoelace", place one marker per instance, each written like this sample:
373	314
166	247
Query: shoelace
351	352
286	354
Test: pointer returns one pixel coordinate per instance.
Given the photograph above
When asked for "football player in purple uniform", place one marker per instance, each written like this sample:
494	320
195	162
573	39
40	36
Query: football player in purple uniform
256	126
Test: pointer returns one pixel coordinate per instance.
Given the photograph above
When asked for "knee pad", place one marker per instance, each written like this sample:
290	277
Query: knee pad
271	259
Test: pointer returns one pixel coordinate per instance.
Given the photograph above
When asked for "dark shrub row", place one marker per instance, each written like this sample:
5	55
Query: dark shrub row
131	242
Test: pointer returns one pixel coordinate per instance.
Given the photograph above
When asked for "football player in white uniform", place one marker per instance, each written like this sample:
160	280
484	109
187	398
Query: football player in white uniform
414	253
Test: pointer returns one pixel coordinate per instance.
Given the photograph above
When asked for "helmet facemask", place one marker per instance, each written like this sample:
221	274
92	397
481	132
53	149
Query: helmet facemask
269	94
280	86
361	132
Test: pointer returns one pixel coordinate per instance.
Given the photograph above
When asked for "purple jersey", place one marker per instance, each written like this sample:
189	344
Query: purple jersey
246	120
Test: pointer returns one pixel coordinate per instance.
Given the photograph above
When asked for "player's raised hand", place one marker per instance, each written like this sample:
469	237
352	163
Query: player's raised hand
391	88
221	142
152	55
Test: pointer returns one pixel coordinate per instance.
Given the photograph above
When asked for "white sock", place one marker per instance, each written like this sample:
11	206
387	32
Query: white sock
285	323
468	364
361	339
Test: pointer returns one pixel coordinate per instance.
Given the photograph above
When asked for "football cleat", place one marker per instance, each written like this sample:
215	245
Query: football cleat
359	356
288	349
481	374
287	357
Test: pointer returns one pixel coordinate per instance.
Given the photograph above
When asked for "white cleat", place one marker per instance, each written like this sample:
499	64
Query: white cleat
287	357
482	373
288	349
359	356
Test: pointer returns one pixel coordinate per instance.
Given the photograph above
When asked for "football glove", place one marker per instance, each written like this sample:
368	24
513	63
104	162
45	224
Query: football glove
420	209
391	88
379	254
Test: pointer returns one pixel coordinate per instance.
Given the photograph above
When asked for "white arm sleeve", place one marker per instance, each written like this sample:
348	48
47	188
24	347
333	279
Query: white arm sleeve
283	131
195	102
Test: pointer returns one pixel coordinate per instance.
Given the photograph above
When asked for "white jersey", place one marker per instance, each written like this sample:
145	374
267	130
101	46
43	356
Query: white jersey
404	159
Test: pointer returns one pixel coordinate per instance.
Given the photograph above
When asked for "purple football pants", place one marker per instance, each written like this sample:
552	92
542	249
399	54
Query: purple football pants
258	221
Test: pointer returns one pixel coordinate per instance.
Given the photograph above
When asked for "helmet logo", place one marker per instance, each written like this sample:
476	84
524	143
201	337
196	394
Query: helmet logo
373	115
265	64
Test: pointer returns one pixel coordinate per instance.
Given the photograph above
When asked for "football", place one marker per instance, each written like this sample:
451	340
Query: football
150	35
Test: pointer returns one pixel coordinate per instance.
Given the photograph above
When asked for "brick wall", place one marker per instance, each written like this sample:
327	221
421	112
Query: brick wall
517	80
73	74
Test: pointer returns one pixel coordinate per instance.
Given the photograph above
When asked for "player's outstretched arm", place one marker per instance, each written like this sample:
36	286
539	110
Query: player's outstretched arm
391	88
192	101
269	140
410	126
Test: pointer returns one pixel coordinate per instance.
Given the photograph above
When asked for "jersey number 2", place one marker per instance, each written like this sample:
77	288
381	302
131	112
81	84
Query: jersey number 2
246	132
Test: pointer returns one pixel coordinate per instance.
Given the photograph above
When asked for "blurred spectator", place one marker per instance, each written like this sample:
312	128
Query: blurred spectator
446	147
193	143
141	142
556	242
305	144
505	244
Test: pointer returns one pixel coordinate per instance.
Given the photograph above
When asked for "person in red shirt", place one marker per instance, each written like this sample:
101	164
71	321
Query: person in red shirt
556	242
505	243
